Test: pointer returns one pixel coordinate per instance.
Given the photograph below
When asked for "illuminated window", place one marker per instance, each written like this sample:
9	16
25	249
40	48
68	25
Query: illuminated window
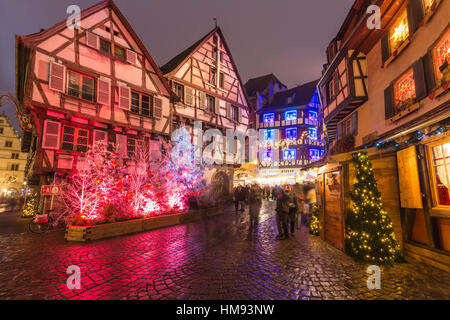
404	90
289	154
427	4
441	171
290	115
312	133
399	32
267	155
269	135
441	54
315	154
291	133
268	117
312	115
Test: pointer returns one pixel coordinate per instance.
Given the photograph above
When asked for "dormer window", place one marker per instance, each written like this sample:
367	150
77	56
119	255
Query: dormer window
290	115
269	117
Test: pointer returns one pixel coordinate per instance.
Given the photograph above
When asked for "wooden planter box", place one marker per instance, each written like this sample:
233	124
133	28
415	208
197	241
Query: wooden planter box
103	231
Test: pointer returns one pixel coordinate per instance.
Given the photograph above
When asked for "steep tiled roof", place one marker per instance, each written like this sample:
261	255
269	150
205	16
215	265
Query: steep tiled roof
260	83
175	61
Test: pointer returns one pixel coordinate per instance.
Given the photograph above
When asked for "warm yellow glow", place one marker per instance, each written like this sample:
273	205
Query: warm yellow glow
400	31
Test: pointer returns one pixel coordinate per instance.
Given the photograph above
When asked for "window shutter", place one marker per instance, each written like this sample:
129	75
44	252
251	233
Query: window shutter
103	92
124	97
355	123
101	136
430	77
131	57
419	79
188	96
121	144
415	15
389	102
217	106
157	108
51	134
202	100
154	149
228	106
92	40
336	83
239	109
57	77
339	131
385	51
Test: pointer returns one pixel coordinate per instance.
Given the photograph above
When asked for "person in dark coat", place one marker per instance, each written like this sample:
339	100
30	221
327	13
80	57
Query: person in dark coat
282	211
254	203
293	207
237	197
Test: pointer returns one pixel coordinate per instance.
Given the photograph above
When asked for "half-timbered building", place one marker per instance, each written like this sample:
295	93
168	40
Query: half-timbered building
80	85
209	89
386	91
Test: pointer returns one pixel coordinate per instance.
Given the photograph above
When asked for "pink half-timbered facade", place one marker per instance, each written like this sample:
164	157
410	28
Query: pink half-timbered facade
205	79
95	83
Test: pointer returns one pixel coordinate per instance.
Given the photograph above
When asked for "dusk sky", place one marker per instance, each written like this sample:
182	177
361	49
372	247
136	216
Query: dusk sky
284	37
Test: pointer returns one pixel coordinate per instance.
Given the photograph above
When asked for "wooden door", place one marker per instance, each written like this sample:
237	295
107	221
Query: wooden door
333	213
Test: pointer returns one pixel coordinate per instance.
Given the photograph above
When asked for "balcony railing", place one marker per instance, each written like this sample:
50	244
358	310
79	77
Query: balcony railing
283	123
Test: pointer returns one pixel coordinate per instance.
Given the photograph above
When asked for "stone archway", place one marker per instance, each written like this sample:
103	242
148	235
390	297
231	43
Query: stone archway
221	184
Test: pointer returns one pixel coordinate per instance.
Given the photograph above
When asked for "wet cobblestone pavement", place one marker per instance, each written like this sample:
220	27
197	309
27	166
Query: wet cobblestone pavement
217	258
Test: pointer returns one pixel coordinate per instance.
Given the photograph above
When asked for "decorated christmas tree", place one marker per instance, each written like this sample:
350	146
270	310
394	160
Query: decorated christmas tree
314	226
370	233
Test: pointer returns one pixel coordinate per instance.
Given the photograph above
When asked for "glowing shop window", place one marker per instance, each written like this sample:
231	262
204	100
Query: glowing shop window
312	115
290	115
427	4
441	168
441	53
269	135
291	133
289	154
268	117
315	154
312	132
404	90
399	32
267	155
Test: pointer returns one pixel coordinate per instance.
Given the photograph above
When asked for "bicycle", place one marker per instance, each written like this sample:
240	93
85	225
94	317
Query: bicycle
41	223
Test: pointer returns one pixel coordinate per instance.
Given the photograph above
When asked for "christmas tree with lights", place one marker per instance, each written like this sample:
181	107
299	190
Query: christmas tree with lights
370	233
314	226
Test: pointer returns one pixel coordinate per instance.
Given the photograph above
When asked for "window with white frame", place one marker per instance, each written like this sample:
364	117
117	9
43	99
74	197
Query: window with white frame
268	117
440	163
74	139
289	154
291	133
80	86
312	133
290	115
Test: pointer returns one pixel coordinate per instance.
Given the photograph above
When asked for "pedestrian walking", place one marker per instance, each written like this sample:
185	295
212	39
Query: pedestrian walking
254	202
305	212
293	207
237	197
282	211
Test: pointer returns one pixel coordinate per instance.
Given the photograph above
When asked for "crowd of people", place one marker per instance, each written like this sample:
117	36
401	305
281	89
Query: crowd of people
291	210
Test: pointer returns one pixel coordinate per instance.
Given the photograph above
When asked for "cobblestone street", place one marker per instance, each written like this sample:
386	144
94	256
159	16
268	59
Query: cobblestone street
217	258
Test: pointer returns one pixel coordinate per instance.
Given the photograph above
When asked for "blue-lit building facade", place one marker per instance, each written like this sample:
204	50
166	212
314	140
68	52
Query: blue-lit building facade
290	135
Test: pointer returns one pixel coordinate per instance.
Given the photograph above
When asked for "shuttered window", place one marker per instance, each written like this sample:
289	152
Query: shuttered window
141	104
399	32
441	56
50	137
57	76
124	97
131	57
119	53
101	137
234	113
75	139
179	91
80	86
210	103
92	40
103	92
157	112
404	91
